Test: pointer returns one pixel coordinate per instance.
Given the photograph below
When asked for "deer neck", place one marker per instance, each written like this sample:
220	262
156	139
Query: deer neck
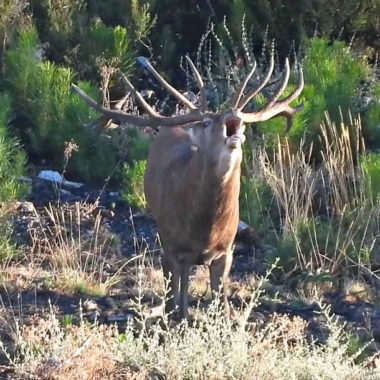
218	194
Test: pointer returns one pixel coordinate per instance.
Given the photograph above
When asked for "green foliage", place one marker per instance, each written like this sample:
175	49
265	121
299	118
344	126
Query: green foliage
372	118
108	46
133	184
142	19
67	321
62	14
12	159
371	168
11	12
137	145
333	76
12	166
53	113
257	206
133	170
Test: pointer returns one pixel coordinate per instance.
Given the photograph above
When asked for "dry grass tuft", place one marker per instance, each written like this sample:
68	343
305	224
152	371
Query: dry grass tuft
76	249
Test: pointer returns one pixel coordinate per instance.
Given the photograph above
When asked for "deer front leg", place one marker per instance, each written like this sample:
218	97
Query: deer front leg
172	273
219	270
184	296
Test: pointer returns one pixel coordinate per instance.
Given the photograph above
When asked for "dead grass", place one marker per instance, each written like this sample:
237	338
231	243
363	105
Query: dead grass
324	209
209	348
76	249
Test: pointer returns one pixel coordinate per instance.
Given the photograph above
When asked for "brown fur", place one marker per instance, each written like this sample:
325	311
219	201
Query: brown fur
197	212
192	181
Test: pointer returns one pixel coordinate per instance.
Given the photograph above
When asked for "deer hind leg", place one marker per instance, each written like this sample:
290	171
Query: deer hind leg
219	270
172	273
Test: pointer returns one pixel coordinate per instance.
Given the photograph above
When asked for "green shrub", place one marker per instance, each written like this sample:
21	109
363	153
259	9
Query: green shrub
137	148
12	166
53	113
133	184
371	169
372	118
12	159
11	12
107	46
136	145
333	77
257	207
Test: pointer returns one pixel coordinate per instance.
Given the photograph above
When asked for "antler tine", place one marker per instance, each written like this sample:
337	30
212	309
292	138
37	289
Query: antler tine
200	83
297	92
138	96
281	89
279	108
240	91
168	87
153	121
243	102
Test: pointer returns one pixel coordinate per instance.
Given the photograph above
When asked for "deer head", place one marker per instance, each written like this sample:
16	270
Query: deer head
192	181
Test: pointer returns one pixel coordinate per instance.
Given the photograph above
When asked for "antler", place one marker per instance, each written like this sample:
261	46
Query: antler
155	119
273	107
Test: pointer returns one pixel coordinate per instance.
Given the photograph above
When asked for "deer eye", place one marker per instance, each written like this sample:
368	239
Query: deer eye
206	123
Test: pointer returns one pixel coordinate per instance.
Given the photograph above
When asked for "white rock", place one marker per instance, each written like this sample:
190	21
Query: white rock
53	176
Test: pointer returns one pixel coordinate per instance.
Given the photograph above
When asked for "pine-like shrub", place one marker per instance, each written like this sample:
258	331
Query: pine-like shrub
333	79
12	160
12	167
52	113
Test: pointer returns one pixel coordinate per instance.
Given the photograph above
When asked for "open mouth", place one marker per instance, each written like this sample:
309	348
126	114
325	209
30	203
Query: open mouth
234	132
232	126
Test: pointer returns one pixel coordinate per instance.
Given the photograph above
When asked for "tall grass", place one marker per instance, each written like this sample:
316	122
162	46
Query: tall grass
75	250
328	216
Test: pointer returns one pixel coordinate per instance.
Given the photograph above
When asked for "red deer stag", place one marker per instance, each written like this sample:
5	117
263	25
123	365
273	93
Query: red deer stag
192	181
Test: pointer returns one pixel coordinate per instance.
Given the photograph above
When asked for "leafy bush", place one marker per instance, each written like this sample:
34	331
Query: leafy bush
12	159
371	170
257	206
211	347
106	46
133	184
333	78
137	147
371	117
12	166
11	12
53	113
